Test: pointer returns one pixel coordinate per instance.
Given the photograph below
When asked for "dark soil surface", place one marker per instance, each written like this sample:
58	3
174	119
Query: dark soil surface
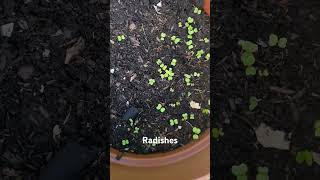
133	63
289	95
53	83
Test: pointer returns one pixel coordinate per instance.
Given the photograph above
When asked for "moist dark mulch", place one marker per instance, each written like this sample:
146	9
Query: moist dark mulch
289	95
44	102
133	63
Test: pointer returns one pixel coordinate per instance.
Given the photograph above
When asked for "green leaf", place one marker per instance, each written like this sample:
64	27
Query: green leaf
215	133
253	103
300	157
308	157
248	59
263	170
317	124
273	40
195	136
282	43
262	177
239	170
243	177
159	106
248	46
190	20
317	132
251	71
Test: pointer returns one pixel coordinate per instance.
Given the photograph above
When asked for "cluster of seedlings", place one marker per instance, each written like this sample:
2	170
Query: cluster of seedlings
240	172
166	73
248	59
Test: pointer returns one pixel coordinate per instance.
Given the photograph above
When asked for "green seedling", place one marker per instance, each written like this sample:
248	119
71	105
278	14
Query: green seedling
248	46
159	61
171	90
206	40
178	103
240	171
251	71
190	20
196	74
191	117
173	62
162	36
125	142
264	73
262	173
275	40
121	38
197	11
304	156
199	53
217	132
187	79
161	108
151	82
186	24
196	131
180	24
253	103
185	116
206	111
282	43
189	36
248	58
136	130
189	44
175	39
131	122
173	122
207	57
317	128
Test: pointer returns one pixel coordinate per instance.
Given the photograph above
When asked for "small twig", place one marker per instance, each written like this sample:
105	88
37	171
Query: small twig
282	90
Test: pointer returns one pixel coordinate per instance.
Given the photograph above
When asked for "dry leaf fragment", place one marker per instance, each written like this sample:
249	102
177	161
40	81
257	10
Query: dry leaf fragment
270	138
74	50
195	105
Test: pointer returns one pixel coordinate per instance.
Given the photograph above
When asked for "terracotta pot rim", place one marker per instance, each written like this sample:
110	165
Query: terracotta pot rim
162	159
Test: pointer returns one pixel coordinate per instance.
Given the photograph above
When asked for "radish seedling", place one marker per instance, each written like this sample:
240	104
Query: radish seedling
196	131
125	142
217	132
173	122
184	116
151	82
161	108
162	36
262	173
197	11
253	103
121	38
304	156
240	171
